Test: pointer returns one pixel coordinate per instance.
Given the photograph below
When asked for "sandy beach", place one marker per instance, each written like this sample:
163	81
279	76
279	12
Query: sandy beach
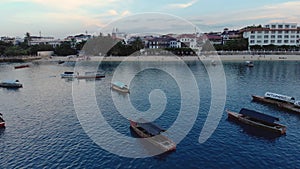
183	58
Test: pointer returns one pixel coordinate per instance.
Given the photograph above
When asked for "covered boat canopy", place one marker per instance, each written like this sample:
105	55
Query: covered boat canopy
258	115
11	81
119	84
280	97
69	73
151	128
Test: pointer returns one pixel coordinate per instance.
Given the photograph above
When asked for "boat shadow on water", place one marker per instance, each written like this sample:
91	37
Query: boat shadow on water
256	132
150	148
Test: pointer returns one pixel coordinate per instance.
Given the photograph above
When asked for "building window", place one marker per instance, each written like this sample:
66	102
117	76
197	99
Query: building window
259	37
272	41
252	37
259	32
292	41
297	36
280	26
266	41
286	36
286	31
293	26
292	31
279	36
279	32
267	26
287	26
266	32
273	26
273	32
286	41
252	32
266	36
273	36
279	41
292	36
258	41
252	41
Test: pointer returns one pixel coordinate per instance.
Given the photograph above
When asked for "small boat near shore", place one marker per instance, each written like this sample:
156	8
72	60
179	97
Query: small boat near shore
2	122
21	66
153	134
281	101
11	84
120	86
91	75
257	119
249	63
67	75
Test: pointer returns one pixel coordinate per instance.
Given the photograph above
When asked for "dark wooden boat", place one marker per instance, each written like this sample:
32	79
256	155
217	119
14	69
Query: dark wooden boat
91	75
11	84
2	122
278	103
153	134
21	66
61	62
257	119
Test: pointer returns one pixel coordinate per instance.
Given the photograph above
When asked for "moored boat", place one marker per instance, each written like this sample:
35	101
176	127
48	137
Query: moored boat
67	75
2	122
21	66
257	119
11	84
249	63
281	101
153	134
91	75
120	86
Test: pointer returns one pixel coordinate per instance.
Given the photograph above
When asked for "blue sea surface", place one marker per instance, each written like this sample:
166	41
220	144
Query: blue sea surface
43	131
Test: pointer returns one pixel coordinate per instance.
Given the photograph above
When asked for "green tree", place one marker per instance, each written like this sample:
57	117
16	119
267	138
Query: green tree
65	49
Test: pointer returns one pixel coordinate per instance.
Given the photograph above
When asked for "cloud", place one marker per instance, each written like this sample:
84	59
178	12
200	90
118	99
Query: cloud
182	5
281	12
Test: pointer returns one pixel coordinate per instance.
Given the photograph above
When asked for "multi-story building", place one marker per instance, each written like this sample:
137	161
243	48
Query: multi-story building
37	40
274	33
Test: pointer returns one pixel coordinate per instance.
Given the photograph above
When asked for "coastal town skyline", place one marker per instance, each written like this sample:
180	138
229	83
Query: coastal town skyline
65	18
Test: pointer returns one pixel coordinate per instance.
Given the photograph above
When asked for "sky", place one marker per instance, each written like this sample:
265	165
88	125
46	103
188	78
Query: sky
62	18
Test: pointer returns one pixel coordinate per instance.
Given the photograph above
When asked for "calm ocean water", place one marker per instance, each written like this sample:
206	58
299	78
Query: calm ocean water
43	130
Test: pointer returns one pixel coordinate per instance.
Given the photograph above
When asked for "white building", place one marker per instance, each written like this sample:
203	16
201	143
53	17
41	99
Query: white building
37	40
190	40
274	33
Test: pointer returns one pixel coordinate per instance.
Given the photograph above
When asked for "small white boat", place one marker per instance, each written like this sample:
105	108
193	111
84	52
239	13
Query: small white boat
120	86
11	84
67	75
249	63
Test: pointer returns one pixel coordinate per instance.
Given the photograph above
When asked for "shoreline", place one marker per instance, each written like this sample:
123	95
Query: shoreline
182	58
237	58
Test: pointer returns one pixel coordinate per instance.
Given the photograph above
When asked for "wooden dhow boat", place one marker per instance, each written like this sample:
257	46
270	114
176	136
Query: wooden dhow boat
120	86
153	134
257	119
281	101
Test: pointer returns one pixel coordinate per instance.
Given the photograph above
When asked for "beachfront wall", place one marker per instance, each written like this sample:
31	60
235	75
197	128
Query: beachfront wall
45	53
276	34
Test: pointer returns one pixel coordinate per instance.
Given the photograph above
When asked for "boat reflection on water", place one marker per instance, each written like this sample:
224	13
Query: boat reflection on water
252	131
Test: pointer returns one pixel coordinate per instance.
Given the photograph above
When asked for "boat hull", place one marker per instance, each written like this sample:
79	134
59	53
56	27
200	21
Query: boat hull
2	124
21	66
279	104
159	141
13	86
275	128
123	90
90	77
